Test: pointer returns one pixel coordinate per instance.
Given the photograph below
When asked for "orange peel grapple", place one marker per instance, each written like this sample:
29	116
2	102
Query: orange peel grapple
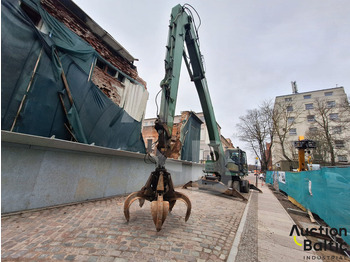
159	190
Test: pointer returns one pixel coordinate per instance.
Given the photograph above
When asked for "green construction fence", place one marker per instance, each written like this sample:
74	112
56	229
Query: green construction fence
325	192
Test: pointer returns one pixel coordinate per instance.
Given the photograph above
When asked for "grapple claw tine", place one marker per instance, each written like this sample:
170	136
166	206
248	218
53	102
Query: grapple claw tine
129	200
184	198
141	201
159	210
171	205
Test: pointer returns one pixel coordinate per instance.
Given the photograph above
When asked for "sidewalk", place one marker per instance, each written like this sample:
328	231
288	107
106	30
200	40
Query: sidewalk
265	217
274	227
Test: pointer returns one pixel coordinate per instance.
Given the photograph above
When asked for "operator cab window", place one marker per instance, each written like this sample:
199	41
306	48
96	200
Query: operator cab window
235	157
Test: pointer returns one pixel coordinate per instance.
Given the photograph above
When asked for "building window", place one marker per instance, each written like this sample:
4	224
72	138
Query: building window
330	93
330	104
310	118
309	106
342	158
288	99
290	120
336	129
307	96
100	64
32	14
289	108
293	131
313	129
111	71
121	77
339	143
333	116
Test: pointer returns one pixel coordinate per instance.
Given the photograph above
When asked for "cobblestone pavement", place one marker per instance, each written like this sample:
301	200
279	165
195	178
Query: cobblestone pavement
97	231
248	247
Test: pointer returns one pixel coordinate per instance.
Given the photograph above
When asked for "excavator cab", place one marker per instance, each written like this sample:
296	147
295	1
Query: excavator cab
236	161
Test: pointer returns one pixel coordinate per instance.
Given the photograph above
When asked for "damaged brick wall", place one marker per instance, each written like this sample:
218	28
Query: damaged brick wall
103	80
107	84
149	132
175	144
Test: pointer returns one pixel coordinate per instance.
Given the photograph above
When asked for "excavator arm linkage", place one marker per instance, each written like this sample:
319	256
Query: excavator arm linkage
159	188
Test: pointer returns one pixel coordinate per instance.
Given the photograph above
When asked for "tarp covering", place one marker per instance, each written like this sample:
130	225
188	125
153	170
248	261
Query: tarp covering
134	100
326	192
32	63
190	138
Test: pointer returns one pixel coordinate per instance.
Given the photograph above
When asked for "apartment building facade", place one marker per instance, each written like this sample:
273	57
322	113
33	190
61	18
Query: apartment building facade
322	116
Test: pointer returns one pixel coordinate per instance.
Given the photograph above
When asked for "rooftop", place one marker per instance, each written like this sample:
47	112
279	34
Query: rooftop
77	12
314	91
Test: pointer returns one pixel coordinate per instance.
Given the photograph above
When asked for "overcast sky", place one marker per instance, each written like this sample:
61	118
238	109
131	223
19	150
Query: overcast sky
253	49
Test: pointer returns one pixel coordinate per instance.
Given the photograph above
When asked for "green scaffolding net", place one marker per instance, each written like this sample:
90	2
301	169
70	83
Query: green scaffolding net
36	99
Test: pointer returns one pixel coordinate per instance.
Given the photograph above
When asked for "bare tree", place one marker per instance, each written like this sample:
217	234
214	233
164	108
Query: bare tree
344	106
255	128
266	110
285	117
320	153
331	120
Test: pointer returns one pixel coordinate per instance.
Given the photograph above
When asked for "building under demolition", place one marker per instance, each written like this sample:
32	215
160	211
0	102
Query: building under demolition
185	139
190	137
63	76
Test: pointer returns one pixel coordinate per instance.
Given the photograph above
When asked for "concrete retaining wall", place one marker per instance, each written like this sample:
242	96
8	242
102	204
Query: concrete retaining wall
39	172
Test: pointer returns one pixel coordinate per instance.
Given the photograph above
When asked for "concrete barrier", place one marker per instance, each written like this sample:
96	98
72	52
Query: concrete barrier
40	172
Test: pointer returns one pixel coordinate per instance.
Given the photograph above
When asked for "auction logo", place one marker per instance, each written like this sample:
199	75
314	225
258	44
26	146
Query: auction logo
318	246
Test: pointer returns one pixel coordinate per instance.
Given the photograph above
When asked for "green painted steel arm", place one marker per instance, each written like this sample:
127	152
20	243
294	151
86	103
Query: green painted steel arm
181	32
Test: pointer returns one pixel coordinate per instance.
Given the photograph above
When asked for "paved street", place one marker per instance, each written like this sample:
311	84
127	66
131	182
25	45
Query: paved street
97	231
